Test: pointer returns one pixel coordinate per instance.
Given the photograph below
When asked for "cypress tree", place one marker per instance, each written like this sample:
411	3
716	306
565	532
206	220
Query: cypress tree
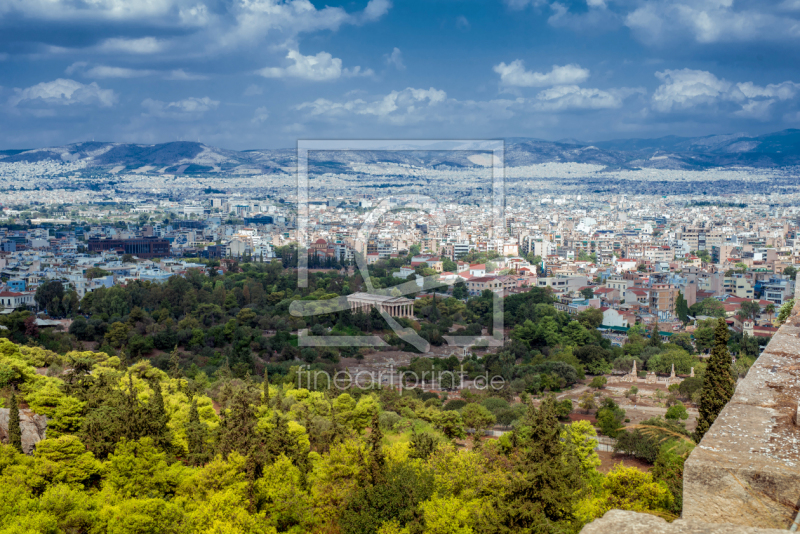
543	497
377	460
237	429
682	308
14	429
655	337
196	433
158	418
265	387
718	382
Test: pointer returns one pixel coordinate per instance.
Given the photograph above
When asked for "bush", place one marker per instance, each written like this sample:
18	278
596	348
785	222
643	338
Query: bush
387	420
456	404
598	382
560	369
495	405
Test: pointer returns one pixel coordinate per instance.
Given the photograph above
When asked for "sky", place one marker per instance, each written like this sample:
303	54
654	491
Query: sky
248	74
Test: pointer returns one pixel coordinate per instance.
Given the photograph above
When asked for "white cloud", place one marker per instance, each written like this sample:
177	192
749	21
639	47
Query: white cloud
431	105
104	71
180	74
522	4
408	105
567	97
143	45
686	89
709	21
396	59
321	67
187	108
260	115
64	92
196	25
515	75
253	90
375	10
462	23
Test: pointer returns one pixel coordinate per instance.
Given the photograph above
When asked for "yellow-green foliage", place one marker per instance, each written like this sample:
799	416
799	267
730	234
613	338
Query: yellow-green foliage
626	488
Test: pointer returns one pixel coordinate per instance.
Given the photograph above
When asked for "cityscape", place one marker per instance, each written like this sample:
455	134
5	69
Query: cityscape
283	267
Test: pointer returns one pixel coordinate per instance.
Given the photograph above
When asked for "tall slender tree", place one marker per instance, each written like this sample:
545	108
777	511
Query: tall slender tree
265	387
718	382
655	337
682	308
196	434
14	429
377	459
542	499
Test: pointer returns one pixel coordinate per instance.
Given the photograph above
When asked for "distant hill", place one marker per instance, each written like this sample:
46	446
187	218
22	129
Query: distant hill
769	150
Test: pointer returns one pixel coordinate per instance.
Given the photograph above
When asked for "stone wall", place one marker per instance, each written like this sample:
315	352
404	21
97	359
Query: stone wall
620	522
746	470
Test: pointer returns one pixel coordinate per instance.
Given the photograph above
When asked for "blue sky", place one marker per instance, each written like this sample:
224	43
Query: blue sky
245	74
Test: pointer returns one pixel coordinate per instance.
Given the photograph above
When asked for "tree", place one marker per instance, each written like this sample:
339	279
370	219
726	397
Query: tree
598	382
785	311
450	424
49	295
590	318
196	435
655	336
377	460
710	307
460	290
749	310
682	308
610	417
14	429
587	292
718	382
543	498
677	412
769	309
478	418
790	271
587	402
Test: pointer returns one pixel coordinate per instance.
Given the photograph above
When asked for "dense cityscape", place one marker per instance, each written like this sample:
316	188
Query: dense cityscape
399	267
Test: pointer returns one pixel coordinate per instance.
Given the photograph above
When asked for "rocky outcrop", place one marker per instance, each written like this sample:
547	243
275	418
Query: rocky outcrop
621	522
33	428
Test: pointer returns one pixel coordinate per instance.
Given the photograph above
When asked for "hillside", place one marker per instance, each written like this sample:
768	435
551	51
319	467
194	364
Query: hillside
769	150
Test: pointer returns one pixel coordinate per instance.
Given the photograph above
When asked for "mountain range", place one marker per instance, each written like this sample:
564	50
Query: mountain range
732	150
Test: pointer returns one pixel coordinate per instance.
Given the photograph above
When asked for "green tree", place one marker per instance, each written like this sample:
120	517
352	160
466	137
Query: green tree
479	419
460	290
14	429
543	497
790	271
677	412
682	308
450	424
587	292
196	435
655	336
785	311
718	382
598	382
377	459
769	309
749	311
